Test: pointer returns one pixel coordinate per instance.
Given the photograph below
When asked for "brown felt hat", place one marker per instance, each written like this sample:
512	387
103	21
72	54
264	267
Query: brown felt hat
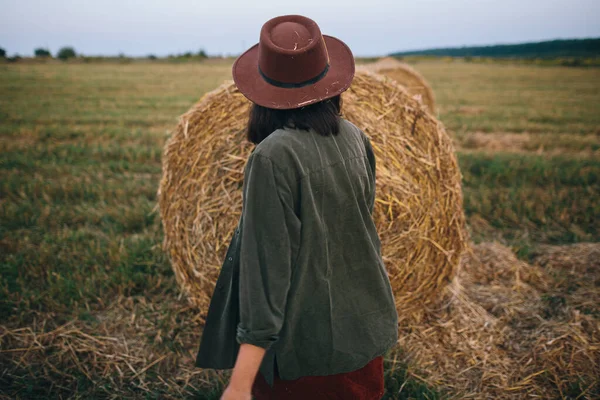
293	65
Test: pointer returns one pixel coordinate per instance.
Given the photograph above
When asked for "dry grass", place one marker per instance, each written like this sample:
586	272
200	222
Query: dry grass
135	348
505	142
498	337
532	143
497	333
575	276
418	210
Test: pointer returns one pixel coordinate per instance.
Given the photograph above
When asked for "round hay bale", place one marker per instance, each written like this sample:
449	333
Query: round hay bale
406	76
418	211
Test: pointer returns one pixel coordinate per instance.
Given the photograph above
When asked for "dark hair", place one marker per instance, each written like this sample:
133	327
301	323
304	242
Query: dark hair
322	117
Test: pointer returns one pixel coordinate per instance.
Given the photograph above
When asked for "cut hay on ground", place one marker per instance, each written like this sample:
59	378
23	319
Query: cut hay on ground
418	210
133	349
500	335
503	336
406	76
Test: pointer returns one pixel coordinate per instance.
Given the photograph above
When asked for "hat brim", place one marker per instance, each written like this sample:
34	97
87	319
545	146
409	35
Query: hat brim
252	85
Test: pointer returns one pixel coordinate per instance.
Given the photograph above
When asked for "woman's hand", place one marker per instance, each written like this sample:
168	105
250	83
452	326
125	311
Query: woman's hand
233	394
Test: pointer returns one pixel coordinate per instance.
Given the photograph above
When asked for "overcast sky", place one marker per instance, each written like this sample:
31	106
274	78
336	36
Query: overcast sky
369	27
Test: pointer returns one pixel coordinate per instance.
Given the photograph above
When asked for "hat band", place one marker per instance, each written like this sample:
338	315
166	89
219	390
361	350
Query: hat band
287	85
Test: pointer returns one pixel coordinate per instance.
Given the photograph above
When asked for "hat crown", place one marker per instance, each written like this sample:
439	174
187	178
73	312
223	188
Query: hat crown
292	50
291	36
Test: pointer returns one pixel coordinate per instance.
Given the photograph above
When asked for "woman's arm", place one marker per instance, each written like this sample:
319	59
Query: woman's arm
244	372
268	244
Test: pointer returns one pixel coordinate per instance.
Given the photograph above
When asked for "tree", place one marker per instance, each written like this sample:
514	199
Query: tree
40	52
2	53
65	53
202	53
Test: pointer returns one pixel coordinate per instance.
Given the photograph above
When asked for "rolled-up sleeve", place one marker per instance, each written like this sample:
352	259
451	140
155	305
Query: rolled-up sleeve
268	247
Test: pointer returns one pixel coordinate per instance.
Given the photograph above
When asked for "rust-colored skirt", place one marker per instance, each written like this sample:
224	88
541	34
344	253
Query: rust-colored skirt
363	384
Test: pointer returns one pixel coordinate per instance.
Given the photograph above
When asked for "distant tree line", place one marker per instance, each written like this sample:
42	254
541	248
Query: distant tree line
580	48
68	52
200	54
63	54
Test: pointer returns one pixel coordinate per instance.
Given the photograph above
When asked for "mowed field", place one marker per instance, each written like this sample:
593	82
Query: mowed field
89	306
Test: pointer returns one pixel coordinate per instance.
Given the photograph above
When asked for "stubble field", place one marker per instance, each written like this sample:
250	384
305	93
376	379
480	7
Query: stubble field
89	307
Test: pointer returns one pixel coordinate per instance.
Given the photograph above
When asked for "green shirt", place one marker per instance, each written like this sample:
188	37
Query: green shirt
303	276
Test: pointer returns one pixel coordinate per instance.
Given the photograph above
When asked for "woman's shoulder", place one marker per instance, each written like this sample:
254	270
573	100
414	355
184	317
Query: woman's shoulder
349	126
280	146
344	123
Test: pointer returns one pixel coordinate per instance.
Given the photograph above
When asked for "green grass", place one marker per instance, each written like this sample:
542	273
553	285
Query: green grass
80	162
517	195
549	200
401	385
515	98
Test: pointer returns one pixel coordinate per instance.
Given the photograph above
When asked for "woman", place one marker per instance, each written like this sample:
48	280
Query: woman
303	306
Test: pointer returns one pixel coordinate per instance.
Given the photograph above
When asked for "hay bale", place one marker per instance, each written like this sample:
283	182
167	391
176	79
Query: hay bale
418	210
406	76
